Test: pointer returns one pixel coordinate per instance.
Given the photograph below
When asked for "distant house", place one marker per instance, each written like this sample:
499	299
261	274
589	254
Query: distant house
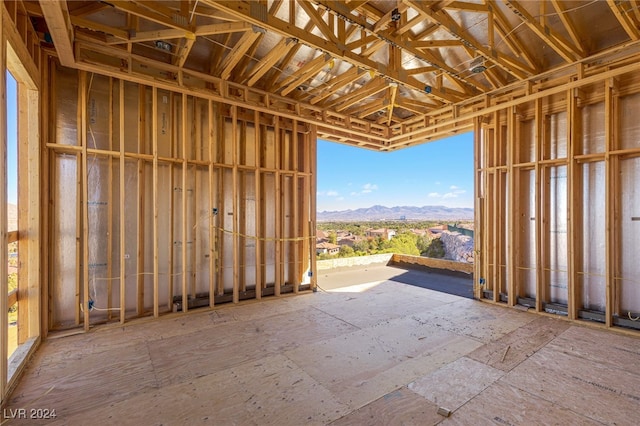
385	234
321	236
327	248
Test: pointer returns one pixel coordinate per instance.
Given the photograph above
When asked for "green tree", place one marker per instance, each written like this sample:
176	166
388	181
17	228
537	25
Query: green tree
435	249
333	237
346	251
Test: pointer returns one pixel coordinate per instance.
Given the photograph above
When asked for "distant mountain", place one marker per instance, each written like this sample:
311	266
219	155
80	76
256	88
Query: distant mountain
396	213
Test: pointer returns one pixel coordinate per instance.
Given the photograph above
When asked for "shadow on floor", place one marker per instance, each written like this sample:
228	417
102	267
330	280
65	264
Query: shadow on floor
451	283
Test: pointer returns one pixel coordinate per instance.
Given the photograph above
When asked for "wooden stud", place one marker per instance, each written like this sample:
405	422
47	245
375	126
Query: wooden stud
479	235
195	143
82	104
154	133
211	140
110	208
295	210
236	216
4	323
540	197
185	166
511	199
573	198
123	256
140	216
609	197
258	204
278	213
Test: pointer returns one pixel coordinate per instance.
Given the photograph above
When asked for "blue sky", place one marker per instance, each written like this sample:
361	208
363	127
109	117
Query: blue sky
12	131
434	174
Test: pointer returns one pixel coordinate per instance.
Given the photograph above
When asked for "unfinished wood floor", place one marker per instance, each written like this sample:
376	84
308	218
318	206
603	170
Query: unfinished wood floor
377	353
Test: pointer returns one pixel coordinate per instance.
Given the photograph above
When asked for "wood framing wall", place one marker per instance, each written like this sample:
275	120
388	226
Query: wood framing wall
558	202
20	55
182	196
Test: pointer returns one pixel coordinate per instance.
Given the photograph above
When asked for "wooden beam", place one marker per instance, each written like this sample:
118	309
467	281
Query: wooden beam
222	28
57	16
335	84
434	44
211	141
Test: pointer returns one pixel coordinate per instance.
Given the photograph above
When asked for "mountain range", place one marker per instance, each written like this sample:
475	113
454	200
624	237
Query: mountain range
396	213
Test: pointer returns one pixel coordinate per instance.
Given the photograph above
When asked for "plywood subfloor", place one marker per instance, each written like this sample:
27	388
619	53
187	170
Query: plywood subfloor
383	353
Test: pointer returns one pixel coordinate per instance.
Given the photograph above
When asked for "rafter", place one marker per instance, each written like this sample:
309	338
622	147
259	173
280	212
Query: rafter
371	107
519	70
149	14
362	94
501	25
568	25
234	56
563	47
625	20
394	40
87	9
269	60
119	34
242	11
387	17
306	72
318	20
321	93
375	84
